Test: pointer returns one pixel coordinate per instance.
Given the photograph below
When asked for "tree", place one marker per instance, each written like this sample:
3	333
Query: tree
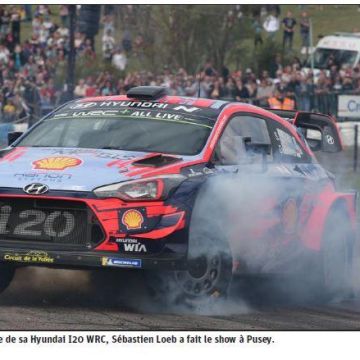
187	35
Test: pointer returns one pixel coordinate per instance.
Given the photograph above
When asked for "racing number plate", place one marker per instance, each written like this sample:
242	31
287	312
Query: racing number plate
35	223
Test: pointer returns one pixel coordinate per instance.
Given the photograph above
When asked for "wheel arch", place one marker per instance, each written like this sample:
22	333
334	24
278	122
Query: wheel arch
323	206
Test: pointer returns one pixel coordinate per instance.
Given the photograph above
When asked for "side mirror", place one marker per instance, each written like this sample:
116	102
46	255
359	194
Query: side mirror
12	136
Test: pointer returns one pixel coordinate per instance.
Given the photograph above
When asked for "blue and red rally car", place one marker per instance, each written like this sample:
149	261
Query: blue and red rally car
191	191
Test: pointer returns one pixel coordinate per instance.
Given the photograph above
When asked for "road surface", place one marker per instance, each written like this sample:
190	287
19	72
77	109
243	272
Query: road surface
46	299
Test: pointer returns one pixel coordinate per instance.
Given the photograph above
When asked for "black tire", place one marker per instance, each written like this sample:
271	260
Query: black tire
7	273
336	257
209	271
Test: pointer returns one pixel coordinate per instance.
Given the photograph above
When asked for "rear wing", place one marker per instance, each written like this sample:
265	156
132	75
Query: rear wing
320	131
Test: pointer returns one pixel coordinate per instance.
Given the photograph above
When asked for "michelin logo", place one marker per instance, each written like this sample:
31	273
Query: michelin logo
126	263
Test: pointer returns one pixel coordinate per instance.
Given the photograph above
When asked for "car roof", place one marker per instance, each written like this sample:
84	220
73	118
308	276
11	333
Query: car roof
210	108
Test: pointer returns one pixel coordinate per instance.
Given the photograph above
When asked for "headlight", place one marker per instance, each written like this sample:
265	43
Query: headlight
155	188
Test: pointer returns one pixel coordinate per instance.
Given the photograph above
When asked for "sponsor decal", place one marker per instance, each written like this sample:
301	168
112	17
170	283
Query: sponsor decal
131	245
126	240
159	115
195	171
132	219
289	216
83	105
95	113
135	248
65	151
34	256
109	104
185	108
109	154
135	245
42	177
56	163
127	263
330	140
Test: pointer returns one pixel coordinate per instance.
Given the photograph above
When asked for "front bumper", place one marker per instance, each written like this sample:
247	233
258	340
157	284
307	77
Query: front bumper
90	259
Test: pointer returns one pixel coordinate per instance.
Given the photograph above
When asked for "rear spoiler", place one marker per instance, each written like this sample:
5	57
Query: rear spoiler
330	140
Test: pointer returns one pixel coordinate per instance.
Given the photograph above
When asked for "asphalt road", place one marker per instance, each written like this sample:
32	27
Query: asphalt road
44	299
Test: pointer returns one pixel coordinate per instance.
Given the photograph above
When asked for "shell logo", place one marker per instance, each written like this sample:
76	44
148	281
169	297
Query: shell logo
290	216
56	163
132	219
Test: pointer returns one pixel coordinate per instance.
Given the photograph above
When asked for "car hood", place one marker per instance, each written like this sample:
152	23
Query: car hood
77	169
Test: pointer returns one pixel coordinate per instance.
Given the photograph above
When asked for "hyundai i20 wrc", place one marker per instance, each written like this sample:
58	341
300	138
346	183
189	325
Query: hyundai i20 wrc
188	191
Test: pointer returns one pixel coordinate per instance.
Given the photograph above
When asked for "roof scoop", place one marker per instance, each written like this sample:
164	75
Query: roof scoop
147	92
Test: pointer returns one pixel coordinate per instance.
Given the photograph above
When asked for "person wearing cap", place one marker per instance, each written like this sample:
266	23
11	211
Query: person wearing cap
281	102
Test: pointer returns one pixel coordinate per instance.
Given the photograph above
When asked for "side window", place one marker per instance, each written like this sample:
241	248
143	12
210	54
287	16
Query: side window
231	149
285	146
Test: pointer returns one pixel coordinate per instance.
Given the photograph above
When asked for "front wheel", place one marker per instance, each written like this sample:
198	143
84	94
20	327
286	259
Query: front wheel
7	273
207	277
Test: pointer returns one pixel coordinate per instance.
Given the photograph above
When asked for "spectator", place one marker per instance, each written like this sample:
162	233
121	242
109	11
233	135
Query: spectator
80	88
289	24
108	22
305	33
119	60
126	42
303	92
108	43
264	91
4	54
15	25
257	30
91	89
242	92
209	69
230	90
271	25
64	15
107	89
9	111
28	12
5	23
280	102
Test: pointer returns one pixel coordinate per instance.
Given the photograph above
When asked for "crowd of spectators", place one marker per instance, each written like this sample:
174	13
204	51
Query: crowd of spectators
32	70
241	85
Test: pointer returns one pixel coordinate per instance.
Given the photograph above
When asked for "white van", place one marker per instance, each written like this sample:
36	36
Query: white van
344	47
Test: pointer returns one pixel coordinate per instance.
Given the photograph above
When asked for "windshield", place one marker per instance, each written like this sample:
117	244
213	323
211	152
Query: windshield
147	131
324	58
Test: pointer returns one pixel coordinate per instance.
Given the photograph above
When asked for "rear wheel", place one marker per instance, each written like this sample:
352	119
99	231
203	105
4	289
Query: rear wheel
336	256
7	273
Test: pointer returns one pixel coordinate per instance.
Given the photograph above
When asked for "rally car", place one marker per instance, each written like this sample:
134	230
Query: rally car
190	191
